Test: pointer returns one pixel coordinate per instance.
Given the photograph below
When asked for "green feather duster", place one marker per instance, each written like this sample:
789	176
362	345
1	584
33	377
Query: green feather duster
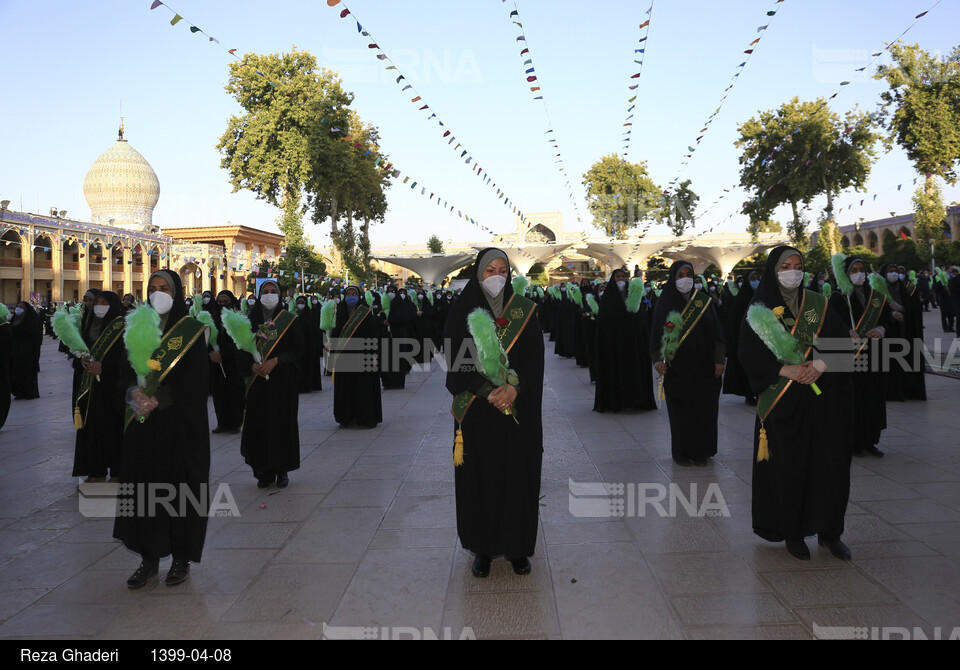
493	361
806	279
594	305
635	295
385	300
732	288
142	337
207	320
413	298
843	279
430	297
197	305
670	341
66	329
241	332
769	329
703	282
879	284
368	296
5	313
827	290
520	284
573	292
244	306
328	315
292	305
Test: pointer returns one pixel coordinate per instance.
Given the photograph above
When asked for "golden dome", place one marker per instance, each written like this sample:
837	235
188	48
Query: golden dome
122	186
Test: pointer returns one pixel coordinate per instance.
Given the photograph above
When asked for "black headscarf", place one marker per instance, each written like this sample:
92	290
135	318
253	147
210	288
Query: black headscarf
769	292
116	306
671	300
234	303
88	313
179	309
896	288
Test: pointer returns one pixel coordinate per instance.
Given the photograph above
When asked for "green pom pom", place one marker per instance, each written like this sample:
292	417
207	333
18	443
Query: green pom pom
328	315
635	295
142	337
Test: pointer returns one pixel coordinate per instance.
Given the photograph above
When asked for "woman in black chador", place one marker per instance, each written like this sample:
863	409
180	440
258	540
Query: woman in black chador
692	379
802	487
166	444
498	481
270	443
100	406
624	372
356	380
27	340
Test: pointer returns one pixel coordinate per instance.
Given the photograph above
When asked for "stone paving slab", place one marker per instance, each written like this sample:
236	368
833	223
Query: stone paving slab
364	539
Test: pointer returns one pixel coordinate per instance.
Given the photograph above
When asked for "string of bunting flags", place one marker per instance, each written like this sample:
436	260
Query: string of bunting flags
642	52
535	87
751	48
401	80
788	137
395	173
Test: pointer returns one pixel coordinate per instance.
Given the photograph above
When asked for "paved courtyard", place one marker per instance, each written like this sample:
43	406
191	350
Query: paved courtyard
364	542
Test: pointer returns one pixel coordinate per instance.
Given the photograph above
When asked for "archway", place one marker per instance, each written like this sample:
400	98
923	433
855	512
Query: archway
190	278
873	242
845	242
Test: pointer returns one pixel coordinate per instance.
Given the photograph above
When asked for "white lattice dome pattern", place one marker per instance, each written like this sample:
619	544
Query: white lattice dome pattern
122	186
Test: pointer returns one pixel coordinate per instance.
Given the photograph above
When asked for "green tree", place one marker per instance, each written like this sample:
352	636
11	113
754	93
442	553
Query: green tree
619	194
802	150
677	209
435	244
271	149
921	110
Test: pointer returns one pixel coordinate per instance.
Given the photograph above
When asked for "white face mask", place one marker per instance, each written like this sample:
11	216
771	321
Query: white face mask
621	284
685	284
206	300
251	301
100	311
270	300
902	276
790	279
893	277
858	278
493	286
162	302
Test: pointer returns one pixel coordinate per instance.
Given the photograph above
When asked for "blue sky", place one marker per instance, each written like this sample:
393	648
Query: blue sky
67	66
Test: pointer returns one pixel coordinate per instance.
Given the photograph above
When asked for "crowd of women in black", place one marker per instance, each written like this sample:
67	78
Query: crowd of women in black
693	332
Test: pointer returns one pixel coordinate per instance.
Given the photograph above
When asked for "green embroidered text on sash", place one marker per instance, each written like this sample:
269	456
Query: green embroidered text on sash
110	335
807	326
175	343
517	312
349	328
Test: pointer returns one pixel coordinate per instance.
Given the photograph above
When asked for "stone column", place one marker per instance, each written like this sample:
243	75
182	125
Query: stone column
57	254
26	258
127	268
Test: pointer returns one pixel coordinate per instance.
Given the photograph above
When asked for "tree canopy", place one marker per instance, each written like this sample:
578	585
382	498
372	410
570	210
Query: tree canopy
620	194
299	146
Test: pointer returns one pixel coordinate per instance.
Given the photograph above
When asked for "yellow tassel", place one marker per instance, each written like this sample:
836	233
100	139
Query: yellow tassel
763	450
77	419
458	448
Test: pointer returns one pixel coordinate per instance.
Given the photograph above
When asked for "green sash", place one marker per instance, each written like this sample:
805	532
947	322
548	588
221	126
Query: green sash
517	312
173	346
99	350
265	345
349	328
868	321
809	322
691	315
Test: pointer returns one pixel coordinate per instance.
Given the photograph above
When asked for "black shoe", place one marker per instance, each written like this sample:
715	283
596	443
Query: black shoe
218	430
178	573
700	462
798	549
682	461
263	481
143	574
837	548
282	480
521	566
481	567
873	451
